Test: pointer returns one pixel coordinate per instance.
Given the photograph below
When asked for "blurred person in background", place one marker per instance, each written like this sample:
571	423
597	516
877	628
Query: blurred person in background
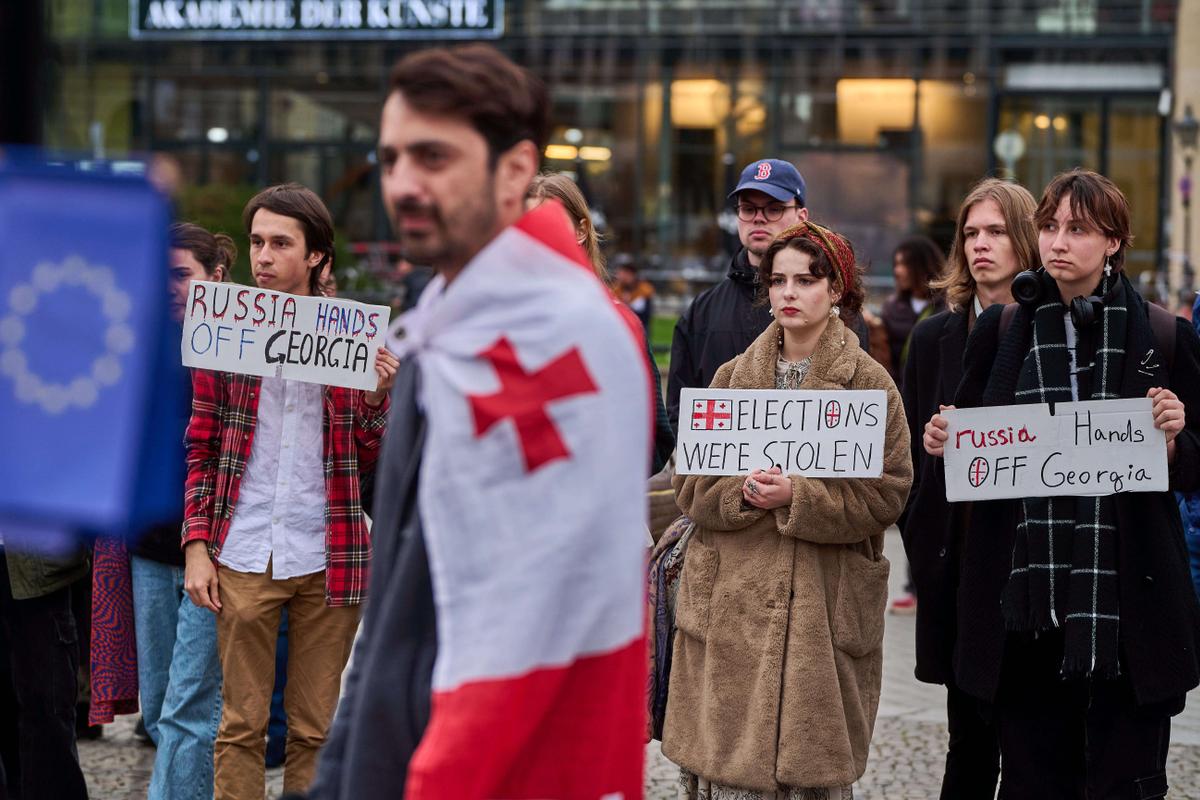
994	239
777	661
632	290
39	682
179	678
916	263
561	188
722	321
411	281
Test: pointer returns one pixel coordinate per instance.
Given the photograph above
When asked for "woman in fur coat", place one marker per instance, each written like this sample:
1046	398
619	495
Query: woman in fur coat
777	662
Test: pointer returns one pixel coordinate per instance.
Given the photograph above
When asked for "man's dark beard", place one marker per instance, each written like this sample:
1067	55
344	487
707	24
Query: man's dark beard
455	249
412	208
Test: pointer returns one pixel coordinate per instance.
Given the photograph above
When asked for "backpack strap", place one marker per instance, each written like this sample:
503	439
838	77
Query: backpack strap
1006	317
1162	325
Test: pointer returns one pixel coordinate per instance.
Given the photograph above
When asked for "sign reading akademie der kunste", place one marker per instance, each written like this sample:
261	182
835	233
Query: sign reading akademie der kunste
280	19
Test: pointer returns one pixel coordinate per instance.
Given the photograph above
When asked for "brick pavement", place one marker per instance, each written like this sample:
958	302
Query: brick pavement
908	747
906	753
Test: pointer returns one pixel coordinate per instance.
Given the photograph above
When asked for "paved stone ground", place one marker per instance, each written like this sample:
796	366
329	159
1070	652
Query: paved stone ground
906	753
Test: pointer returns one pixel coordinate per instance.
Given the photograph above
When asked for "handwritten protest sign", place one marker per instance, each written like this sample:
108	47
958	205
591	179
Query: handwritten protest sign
260	332
818	434
1090	448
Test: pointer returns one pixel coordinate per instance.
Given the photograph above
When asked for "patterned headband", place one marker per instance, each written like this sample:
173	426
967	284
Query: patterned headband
835	246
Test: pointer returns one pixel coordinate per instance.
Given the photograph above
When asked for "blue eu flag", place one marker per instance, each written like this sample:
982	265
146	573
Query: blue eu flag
89	371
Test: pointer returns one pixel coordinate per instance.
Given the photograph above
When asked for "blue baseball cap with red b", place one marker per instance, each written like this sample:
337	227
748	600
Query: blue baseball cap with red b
775	177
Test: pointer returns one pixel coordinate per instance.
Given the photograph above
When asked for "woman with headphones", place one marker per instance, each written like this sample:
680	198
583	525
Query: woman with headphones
1076	616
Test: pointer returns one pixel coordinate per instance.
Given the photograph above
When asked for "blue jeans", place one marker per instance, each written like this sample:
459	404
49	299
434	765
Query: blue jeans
1189	510
277	727
179	680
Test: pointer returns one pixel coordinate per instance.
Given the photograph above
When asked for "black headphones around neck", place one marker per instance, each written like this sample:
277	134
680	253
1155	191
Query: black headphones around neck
1027	289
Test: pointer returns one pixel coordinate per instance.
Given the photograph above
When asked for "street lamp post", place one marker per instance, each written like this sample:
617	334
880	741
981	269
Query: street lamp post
1187	128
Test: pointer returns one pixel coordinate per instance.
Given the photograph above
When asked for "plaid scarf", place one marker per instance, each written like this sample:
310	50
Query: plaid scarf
1064	563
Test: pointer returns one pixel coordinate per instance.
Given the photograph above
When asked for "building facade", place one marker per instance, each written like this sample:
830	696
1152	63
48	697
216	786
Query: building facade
890	108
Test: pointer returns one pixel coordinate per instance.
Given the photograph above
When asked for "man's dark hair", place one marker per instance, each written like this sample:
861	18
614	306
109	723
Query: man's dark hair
301	204
505	103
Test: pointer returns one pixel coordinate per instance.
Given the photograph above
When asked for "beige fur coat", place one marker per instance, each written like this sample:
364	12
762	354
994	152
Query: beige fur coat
779	652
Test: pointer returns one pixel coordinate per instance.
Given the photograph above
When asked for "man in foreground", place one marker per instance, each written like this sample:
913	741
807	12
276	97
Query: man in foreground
502	651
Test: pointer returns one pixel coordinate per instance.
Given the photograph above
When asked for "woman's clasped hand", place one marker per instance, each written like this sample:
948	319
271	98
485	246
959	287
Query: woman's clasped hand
767	489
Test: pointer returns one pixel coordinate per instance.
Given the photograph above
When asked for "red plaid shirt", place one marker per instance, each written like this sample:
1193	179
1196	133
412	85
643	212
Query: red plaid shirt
219	435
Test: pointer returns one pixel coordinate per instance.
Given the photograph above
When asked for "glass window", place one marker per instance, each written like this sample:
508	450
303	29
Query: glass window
93	110
954	153
199	109
863	195
343	177
1059	133
1134	137
333	110
873	109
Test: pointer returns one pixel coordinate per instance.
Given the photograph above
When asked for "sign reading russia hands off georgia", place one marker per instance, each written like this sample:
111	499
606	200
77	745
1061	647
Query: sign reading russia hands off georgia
1089	448
252	331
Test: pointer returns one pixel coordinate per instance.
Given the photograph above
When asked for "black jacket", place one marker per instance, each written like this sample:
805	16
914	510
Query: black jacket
717	327
385	707
932	528
1159	616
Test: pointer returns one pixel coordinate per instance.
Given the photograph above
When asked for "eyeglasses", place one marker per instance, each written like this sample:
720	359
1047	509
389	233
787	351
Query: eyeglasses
772	211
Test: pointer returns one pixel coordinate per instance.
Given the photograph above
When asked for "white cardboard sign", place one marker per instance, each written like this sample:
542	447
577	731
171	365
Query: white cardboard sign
817	434
243	329
1089	448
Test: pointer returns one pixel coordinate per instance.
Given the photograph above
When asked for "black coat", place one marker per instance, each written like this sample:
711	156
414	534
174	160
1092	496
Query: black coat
718	327
1159	615
932	528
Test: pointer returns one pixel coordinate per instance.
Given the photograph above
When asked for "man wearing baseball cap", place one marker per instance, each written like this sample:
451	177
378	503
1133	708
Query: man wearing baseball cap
722	321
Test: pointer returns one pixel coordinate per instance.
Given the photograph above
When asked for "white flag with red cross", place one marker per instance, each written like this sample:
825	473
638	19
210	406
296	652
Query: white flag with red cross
532	497
711	415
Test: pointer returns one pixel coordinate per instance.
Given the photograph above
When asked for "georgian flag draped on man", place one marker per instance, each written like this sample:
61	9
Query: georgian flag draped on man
532	497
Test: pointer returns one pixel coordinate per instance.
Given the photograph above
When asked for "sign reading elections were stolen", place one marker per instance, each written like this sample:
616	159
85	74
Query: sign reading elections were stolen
253	331
818	434
315	19
1089	448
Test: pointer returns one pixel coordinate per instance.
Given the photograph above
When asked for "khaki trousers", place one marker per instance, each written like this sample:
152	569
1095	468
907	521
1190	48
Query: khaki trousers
319	641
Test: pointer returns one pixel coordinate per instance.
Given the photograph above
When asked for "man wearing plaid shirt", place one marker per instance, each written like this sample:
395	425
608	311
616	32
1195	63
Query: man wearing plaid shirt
274	515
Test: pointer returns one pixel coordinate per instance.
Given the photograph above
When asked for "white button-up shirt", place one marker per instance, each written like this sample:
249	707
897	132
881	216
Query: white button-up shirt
280	513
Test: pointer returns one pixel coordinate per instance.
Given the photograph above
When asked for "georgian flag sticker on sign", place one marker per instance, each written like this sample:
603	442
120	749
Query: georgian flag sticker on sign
711	415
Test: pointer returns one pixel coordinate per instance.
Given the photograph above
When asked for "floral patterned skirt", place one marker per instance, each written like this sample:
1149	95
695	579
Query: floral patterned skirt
693	787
